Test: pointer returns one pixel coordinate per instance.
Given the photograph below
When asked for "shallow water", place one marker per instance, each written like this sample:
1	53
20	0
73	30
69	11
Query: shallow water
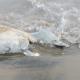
20	67
49	66
60	16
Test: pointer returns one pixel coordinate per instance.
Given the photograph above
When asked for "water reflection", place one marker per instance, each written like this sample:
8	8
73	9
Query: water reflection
20	67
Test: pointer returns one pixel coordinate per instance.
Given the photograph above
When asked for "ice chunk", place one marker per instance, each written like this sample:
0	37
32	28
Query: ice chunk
29	53
15	41
60	43
45	36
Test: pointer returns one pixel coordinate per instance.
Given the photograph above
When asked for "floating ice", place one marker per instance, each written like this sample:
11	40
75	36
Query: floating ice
47	37
15	41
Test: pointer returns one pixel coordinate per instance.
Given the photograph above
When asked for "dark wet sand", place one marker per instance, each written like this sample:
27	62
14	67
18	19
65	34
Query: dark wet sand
46	67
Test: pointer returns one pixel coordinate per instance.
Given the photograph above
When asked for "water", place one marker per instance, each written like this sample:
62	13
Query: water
18	67
63	19
49	66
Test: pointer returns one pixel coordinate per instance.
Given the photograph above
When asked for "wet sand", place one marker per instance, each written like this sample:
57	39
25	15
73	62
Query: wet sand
46	67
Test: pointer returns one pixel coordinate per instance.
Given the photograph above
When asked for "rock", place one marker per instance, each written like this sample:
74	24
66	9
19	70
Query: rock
15	41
